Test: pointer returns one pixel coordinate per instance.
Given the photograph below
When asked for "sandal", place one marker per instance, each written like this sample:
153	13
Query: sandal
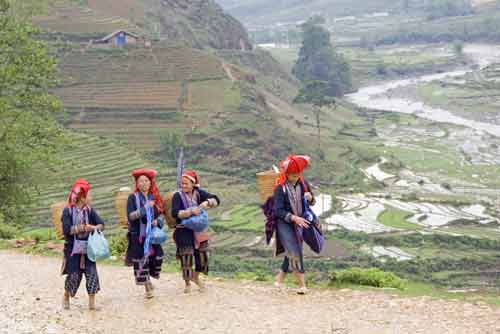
302	290
200	285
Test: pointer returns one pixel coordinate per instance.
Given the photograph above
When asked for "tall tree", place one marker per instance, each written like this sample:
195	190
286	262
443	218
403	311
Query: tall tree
29	133
314	92
318	61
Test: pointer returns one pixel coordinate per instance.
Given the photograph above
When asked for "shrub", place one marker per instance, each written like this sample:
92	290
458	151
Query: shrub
369	277
7	232
118	244
41	234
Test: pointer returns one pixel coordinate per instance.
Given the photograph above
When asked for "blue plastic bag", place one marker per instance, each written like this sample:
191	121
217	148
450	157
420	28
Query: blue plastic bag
197	223
97	247
158	236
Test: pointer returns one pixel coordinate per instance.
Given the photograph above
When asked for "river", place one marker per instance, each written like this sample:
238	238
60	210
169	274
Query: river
377	97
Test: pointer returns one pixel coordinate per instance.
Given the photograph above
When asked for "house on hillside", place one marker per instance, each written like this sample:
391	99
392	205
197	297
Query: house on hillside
120	38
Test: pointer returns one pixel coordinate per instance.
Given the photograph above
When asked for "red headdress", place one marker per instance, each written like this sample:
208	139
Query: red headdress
150	174
294	164
192	176
79	189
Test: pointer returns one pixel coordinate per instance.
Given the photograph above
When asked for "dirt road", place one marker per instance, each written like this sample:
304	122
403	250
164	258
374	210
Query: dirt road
31	292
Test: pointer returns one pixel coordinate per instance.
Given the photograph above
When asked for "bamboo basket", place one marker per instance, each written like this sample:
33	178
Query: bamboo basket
265	183
167	204
57	211
121	198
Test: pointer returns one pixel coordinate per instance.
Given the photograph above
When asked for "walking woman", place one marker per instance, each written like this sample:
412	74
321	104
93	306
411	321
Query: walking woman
144	207
291	189
78	220
185	203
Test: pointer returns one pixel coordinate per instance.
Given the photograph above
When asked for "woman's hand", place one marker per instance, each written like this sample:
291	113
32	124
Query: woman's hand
89	228
300	221
205	205
196	211
155	223
308	196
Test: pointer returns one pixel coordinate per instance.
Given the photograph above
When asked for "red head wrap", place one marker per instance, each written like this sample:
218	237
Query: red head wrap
150	174
192	176
294	164
79	189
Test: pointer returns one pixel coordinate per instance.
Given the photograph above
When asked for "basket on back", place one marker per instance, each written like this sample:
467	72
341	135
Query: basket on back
121	198
57	210
167	204
265	183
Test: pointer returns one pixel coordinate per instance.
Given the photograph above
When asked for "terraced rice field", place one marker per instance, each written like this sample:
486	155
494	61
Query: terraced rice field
158	91
104	163
128	95
70	18
244	218
174	63
362	213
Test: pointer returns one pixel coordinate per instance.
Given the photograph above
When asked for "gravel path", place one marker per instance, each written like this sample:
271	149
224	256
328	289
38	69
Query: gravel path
31	293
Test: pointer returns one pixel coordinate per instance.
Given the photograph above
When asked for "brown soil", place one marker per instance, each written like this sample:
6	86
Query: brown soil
31	293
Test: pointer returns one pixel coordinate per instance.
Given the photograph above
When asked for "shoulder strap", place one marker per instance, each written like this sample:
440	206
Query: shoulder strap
304	184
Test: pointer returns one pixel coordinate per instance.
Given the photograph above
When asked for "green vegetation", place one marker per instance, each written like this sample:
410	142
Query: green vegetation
318	61
396	218
118	243
370	277
29	133
7	232
242	218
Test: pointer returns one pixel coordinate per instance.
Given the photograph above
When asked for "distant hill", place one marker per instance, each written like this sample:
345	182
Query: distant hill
196	23
272	12
261	12
230	107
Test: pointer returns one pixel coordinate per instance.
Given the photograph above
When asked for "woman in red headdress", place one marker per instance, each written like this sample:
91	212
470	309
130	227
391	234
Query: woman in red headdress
78	220
189	201
144	208
291	189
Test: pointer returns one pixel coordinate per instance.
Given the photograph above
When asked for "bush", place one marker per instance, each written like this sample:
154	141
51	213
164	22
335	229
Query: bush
7	232
41	234
118	244
369	277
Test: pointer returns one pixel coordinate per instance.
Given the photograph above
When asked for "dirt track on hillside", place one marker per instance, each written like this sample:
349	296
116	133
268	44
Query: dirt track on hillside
31	292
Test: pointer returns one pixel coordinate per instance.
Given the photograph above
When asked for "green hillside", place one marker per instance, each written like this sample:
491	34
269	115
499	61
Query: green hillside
127	107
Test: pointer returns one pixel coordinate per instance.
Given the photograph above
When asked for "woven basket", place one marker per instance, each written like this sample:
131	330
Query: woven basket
167	204
121	198
57	210
265	183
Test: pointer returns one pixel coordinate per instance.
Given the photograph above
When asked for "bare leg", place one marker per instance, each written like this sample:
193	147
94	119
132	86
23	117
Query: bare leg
149	290
66	300
187	288
91	302
196	279
280	278
301	279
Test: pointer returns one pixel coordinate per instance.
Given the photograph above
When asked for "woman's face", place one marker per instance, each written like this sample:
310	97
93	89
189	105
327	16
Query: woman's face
143	183
293	177
84	200
187	185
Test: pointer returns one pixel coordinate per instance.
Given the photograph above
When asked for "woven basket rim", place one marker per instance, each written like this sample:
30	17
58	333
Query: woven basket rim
267	173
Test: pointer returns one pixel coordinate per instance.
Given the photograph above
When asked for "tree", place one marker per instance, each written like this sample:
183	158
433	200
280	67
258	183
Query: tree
29	133
315	93
318	61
